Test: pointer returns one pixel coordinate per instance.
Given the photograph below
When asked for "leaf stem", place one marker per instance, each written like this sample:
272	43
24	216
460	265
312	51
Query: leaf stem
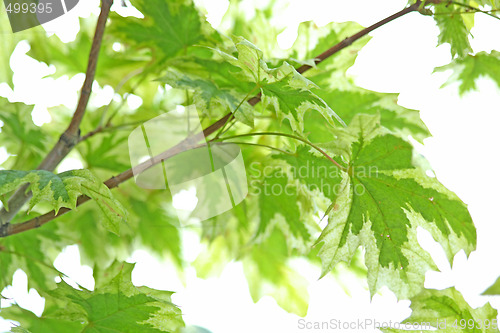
298	138
234	112
260	145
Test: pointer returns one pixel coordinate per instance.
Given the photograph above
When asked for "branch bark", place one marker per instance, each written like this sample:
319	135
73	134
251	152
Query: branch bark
192	141
71	135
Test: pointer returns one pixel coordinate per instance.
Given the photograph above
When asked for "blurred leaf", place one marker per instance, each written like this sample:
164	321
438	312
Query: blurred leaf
169	27
277	196
288	92
313	40
400	120
454	30
467	70
19	135
10	40
157	228
268	274
494	289
72	58
33	252
106	152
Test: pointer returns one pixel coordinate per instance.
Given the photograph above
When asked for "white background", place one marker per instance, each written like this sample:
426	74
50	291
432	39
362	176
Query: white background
400	58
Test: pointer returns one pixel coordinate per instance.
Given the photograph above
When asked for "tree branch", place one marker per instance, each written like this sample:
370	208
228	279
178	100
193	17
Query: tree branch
71	135
191	142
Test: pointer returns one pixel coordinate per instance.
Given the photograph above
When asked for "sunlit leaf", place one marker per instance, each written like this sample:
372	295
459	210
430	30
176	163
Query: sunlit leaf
466	71
448	311
454	30
379	199
62	190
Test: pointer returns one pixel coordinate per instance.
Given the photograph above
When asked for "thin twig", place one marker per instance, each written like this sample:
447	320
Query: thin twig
70	137
192	141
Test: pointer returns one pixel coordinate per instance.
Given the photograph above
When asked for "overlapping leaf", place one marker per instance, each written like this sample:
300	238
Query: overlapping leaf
278	196
378	201
169	27
215	88
156	228
33	253
493	289
283	88
313	40
9	41
104	152
72	58
20	136
62	190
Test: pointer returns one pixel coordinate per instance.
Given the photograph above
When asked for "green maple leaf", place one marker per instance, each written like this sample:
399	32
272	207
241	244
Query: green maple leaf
448	311
20	136
348	103
493	289
72	58
115	305
215	89
313	40
378	201
34	254
267	274
278	196
169	27
105	152
454	29
467	70
63	190
9	41
283	88
37	324
495	4
156	227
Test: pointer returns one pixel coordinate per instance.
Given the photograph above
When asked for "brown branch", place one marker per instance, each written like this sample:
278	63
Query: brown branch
71	135
192	141
349	40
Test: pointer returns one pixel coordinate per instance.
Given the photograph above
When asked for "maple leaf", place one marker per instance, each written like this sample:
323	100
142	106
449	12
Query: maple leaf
379	199
453	29
169	27
115	305
493	289
448	311
63	190
467	70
